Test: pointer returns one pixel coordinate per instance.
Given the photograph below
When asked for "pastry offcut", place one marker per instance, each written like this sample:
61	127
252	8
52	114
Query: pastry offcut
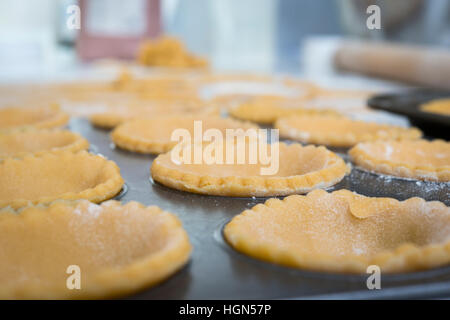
439	106
417	159
344	232
15	118
168	52
154	135
69	176
340	132
300	169
38	142
115	249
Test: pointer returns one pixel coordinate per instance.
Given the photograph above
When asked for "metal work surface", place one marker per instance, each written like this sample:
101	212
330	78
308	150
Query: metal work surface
216	271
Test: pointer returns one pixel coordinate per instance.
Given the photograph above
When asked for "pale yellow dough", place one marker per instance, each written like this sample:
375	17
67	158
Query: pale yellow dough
340	132
439	106
300	170
115	116
154	135
416	159
66	175
344	232
119	249
17	118
267	109
38	142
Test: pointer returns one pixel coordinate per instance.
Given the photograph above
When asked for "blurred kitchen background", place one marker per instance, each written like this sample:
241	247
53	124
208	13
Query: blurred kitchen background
288	36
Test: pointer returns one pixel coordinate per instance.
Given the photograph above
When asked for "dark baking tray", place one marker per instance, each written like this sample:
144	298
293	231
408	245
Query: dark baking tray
216	271
408	103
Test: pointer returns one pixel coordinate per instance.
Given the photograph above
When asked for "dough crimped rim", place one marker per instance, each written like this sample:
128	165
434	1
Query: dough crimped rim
319	101
267	109
333	171
379	156
114	118
124	137
39	142
438	106
230	100
340	132
54	118
344	232
46	178
107	120
120	249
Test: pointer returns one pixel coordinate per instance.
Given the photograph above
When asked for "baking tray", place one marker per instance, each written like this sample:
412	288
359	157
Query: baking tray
216	271
408	103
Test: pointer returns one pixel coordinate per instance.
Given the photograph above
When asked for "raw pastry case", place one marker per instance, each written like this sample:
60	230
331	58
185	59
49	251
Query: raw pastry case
216	271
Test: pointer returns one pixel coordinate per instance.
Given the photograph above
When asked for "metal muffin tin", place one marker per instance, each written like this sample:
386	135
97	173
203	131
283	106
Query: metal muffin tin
216	271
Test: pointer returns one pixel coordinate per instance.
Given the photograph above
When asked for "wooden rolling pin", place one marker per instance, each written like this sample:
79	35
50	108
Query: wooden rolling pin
429	67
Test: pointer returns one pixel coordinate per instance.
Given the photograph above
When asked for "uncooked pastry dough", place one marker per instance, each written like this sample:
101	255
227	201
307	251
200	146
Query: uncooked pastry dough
38	142
439	106
339	132
344	232
119	249
15	118
154	135
117	115
417	159
301	169
267	109
49	177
